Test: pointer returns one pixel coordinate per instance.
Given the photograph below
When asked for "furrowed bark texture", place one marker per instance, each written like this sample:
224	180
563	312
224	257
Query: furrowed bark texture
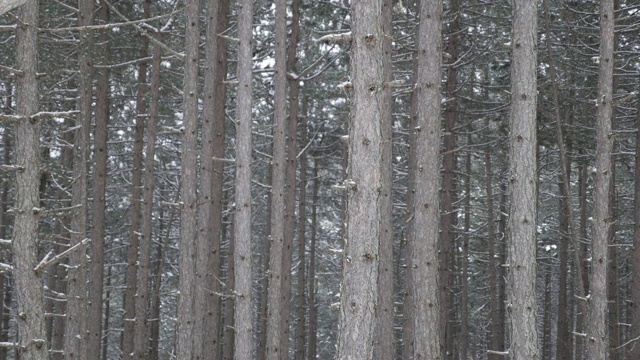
424	261
596	327
29	290
521	296
359	292
242	228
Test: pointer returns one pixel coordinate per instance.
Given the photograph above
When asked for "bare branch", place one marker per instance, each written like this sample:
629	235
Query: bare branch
336	38
46	262
6	5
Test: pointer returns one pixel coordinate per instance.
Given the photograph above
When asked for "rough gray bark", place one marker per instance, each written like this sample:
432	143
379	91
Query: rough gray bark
521	275
313	310
141	330
207	301
385	327
359	298
277	329
188	197
76	328
423	252
96	265
29	290
242	234
129	300
635	290
596	326
303	280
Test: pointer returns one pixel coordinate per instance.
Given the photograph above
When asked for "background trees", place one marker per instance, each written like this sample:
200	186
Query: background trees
111	75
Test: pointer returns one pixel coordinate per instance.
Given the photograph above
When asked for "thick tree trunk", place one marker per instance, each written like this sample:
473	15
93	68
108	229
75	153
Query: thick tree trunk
359	298
29	290
521	298
596	327
96	268
422	249
242	234
188	197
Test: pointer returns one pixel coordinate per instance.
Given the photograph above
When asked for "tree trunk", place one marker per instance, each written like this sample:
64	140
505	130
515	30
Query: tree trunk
422	248
464	263
96	269
312	303
129	300
29	291
365	185
635	290
5	290
141	332
207	302
449	214
278	297
521	298
597	334
242	235
188	216
76	338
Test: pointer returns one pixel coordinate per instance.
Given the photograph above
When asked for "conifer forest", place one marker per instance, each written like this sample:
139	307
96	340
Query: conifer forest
319	179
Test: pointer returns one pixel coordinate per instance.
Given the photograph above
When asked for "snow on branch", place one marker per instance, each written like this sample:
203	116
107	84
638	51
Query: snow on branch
47	261
336	38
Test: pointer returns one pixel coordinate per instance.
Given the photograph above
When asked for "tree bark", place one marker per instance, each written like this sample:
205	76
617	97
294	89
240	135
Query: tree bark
141	329
188	196
423	249
128	334
521	295
597	334
635	290
359	298
96	268
312	303
242	235
207	302
76	338
29	291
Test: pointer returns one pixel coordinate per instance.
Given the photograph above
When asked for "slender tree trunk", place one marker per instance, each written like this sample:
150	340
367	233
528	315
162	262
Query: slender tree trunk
141	329
104	343
449	214
129	300
228	348
312	303
494	341
96	269
29	291
546	320
278	297
597	334
5	291
385	326
76	338
422	250
521	298
635	290
581	305
464	263
242	234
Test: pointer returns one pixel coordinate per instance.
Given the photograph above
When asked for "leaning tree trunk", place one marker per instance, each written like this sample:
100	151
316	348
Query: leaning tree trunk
29	290
521	293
